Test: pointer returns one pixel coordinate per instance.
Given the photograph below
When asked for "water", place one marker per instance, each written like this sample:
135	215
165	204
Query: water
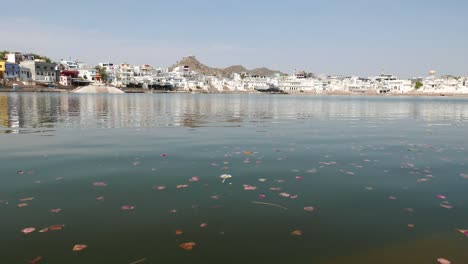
348	157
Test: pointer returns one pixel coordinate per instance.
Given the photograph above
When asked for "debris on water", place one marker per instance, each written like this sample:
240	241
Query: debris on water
138	261
248	153
262	180
296	233
392	198
52	228
270	204
411	226
182	186
35	260
215	197
160	188
463	231
225	177
262	196
28	230
128	207
446	206
20	172
164	155
309	209
179	232
442	197
21	205
26	199
99	184
443	261
58	210
203	225
101	198
249	187
194	179
79	247
188	245
286	195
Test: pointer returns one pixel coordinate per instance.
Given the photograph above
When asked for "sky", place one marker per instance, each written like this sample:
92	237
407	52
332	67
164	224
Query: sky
343	37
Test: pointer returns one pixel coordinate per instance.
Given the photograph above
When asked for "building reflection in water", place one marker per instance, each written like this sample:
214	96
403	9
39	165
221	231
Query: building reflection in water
39	111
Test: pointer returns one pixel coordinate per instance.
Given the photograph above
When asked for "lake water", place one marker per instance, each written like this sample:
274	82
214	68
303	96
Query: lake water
387	178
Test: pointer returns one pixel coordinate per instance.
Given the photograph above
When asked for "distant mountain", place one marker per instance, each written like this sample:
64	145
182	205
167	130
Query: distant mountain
199	67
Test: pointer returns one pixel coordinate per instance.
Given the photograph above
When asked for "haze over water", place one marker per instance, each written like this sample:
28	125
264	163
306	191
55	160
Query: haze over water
369	167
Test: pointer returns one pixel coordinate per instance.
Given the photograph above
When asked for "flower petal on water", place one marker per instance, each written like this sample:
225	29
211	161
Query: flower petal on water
249	187
99	184
127	207
443	261
309	209
179	232
296	233
35	260
79	247
188	245
28	230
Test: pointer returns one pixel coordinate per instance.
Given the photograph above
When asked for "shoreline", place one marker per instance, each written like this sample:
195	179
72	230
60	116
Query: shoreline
330	93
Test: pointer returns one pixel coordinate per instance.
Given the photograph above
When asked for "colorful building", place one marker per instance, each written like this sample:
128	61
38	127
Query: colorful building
2	69
12	71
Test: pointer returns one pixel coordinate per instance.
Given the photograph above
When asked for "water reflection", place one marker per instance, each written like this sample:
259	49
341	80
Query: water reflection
38	110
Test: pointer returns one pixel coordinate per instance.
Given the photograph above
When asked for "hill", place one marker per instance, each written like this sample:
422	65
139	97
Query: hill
199	67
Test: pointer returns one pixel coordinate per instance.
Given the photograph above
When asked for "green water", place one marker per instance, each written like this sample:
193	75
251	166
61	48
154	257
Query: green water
344	156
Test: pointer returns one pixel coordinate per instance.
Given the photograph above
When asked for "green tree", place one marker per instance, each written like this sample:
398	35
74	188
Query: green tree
103	73
418	85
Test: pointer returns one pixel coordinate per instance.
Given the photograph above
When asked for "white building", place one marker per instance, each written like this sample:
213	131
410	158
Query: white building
25	74
299	83
42	71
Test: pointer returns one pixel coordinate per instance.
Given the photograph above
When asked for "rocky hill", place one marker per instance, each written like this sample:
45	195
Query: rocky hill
199	67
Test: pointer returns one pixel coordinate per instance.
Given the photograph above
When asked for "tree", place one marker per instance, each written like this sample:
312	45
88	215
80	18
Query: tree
418	85
102	72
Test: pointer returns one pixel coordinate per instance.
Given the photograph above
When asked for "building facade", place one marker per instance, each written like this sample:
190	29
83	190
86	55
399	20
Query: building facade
42	71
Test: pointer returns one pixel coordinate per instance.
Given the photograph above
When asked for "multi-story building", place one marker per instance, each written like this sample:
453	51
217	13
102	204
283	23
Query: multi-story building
42	71
11	71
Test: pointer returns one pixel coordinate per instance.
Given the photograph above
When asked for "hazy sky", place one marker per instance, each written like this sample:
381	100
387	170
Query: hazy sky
353	37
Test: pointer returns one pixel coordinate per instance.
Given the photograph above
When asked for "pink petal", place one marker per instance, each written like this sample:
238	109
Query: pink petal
163	155
56	210
262	196
463	231
182	186
309	209
99	184
441	197
128	207
294	196
443	261
194	179
446	206
100	198
284	195
79	247
28	230
203	225
249	188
